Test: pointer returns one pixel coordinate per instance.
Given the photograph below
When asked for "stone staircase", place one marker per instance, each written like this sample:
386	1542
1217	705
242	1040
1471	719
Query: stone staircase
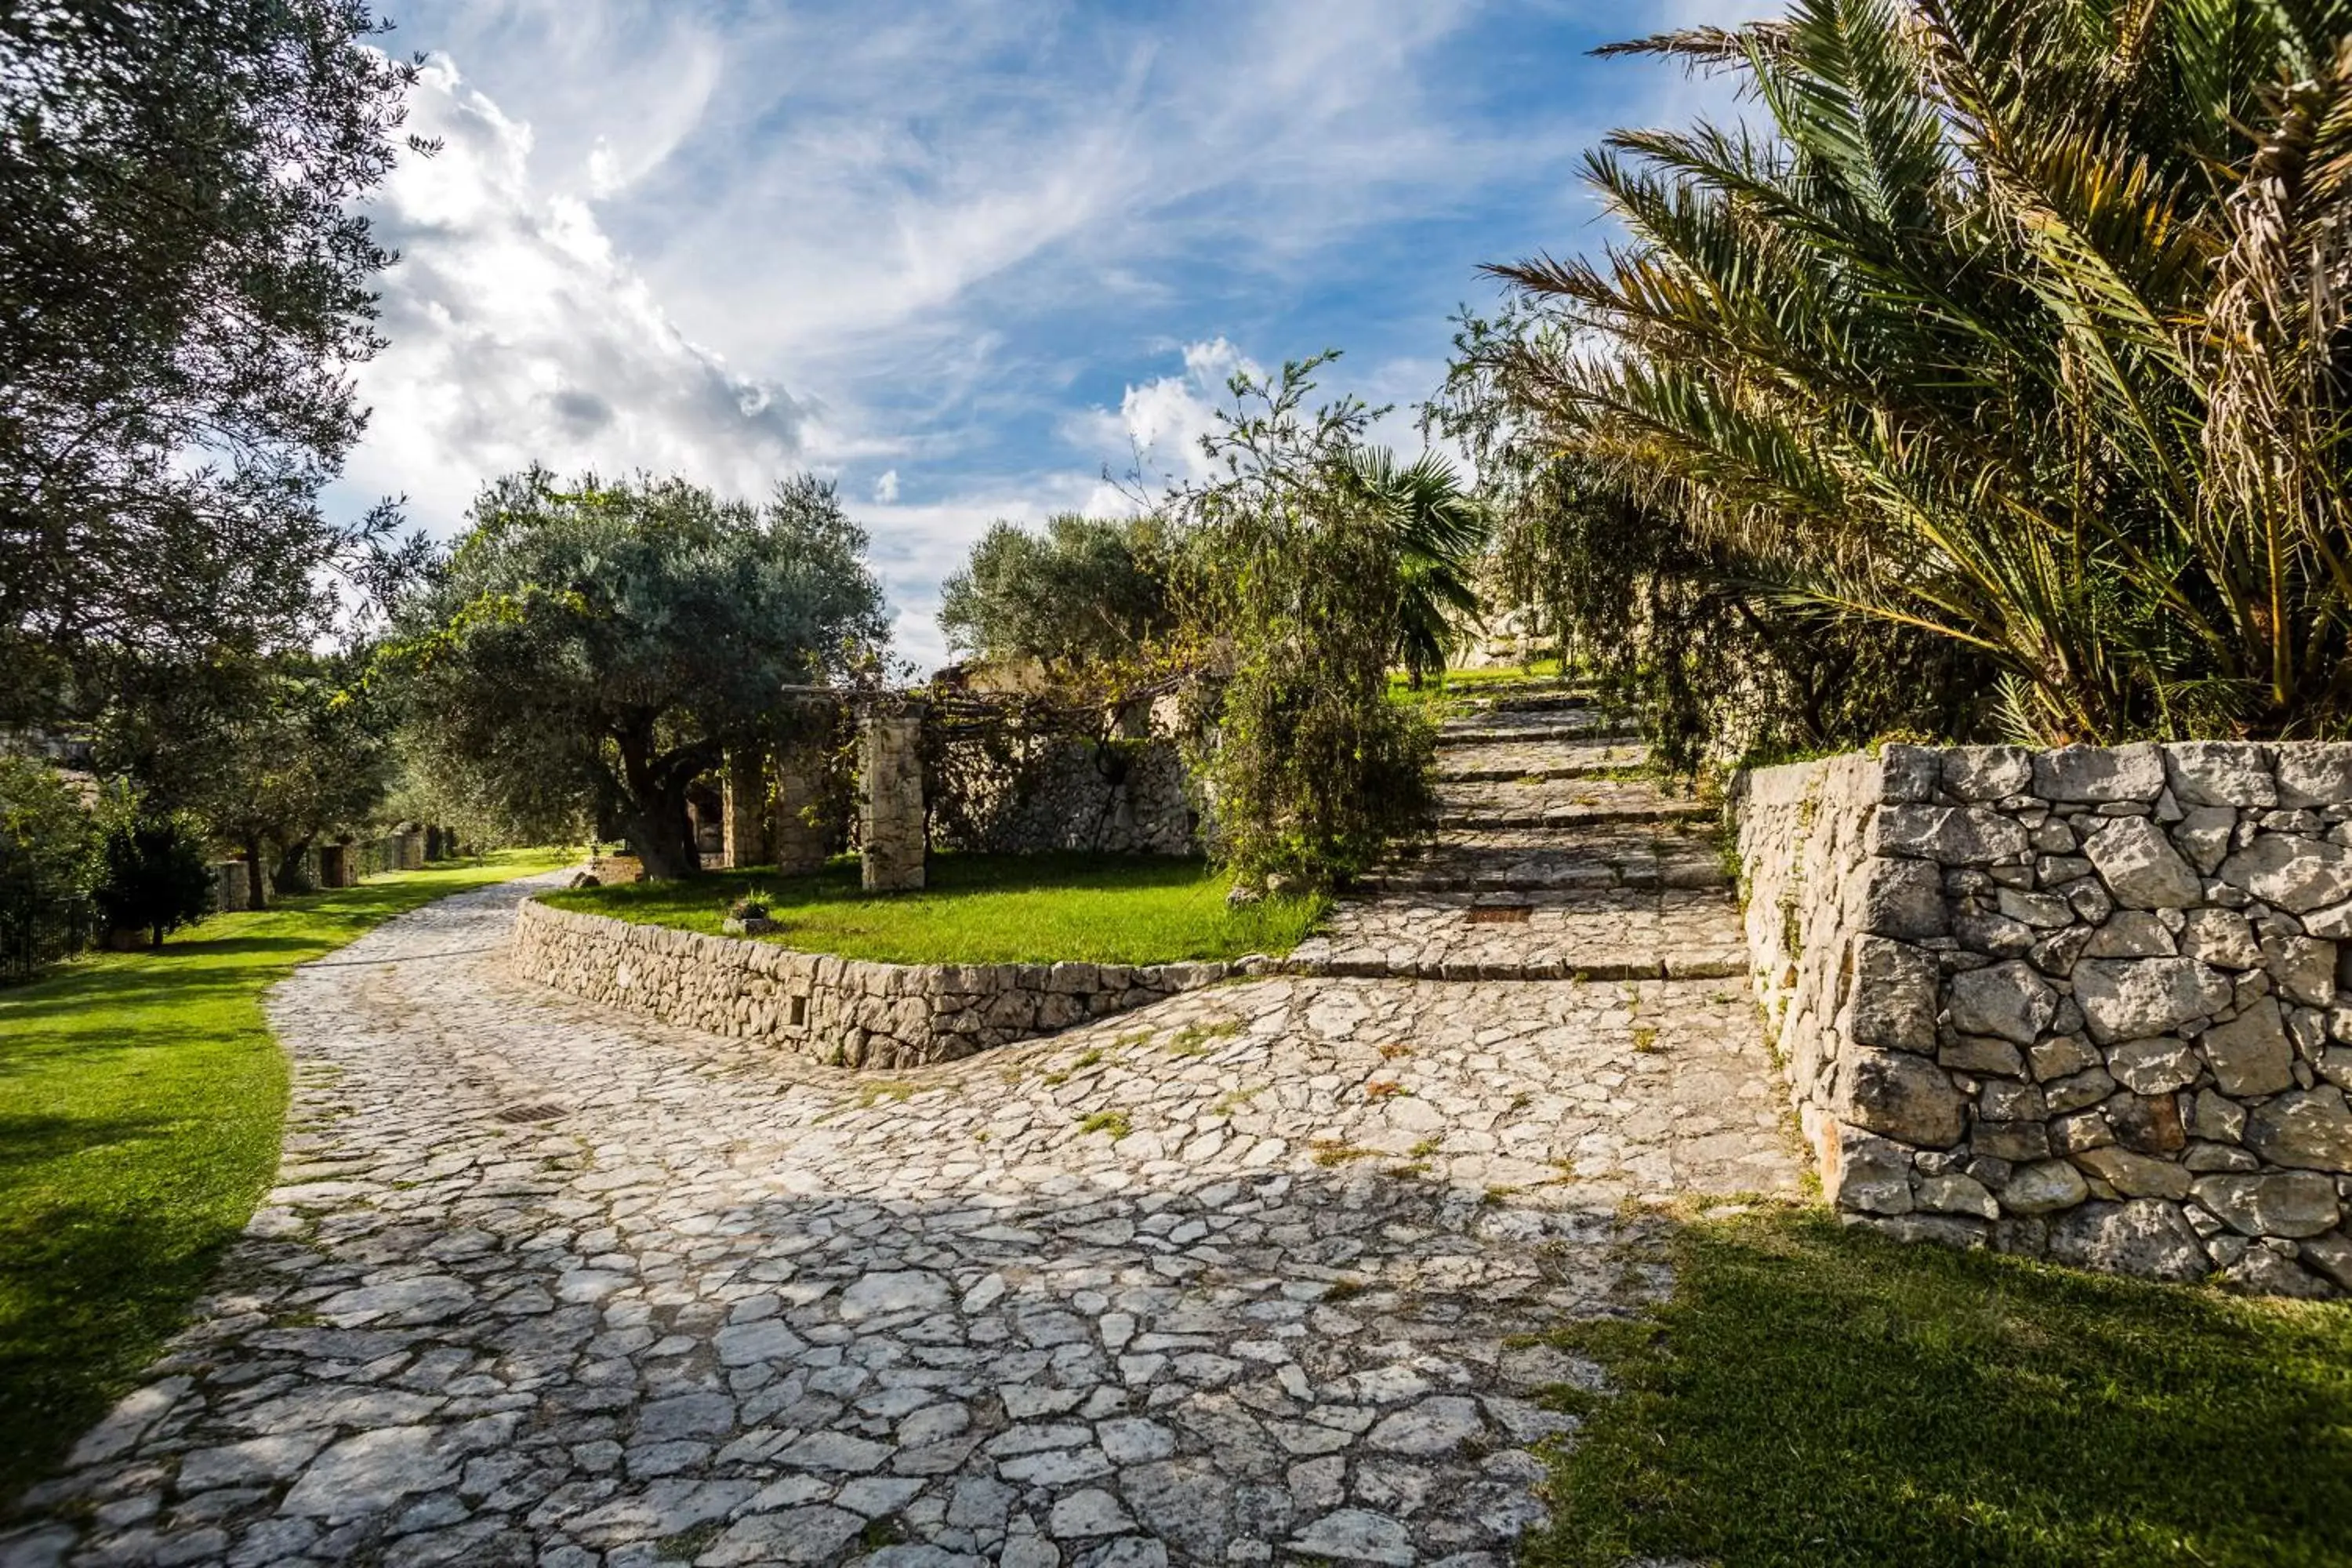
1557	856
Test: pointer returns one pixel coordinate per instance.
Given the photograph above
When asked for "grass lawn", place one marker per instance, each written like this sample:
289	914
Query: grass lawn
1817	1396
985	909
141	1096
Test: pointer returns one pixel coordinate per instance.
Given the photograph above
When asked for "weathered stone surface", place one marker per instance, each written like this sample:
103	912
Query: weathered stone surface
1949	836
2203	835
2220	773
2007	1000
1901	1096
2098	774
2248	1055
1893	1004
2136	1175
1956	1195
2296	874
2153	1066
1987	772
2307	1129
2130	933
2314	774
2292	1203
2131	998
2140	867
2044	1187
2221	938
2144	1236
2303	967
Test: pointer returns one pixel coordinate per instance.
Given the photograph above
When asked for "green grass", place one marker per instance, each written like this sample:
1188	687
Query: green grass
1818	1395
985	909
1434	693
141	1098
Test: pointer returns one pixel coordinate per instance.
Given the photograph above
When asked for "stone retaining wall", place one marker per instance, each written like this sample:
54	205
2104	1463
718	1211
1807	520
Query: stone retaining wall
2081	1004
841	1011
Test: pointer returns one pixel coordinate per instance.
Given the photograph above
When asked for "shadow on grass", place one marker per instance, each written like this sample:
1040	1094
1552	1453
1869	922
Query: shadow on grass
1813	1395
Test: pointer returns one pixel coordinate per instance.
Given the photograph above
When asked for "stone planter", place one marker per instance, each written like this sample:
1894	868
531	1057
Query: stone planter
837	1010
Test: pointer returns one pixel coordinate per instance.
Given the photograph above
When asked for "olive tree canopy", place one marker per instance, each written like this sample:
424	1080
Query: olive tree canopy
594	647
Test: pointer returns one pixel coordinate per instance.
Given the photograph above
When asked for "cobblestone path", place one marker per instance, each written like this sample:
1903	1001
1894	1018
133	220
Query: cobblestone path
1557	856
1235	1279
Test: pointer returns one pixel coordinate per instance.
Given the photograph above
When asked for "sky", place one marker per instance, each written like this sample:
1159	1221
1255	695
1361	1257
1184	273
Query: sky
963	259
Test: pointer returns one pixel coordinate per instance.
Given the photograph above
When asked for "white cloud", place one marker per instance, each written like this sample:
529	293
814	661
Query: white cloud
885	488
518	332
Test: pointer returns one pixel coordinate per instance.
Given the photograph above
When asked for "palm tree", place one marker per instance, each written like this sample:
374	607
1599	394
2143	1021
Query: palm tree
2024	322
1438	529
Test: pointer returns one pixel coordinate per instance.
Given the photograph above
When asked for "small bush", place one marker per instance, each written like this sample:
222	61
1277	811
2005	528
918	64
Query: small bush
156	877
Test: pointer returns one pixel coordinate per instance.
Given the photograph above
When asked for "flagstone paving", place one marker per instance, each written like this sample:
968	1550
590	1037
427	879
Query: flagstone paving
1241	1277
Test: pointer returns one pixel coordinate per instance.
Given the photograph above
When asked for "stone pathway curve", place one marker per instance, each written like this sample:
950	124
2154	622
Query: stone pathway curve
1237	1279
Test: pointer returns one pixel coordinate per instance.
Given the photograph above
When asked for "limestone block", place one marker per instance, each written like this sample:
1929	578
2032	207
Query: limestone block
2095	774
2153	1066
2218	772
1949	836
2307	1129
2303	967
1893	1001
2145	1237
2131	998
2009	1001
2294	873
2221	938
2044	1187
891	827
2136	1175
2140	867
1900	1096
1897	898
1861	1173
2130	933
2150	1123
2248	1055
1987	772
2314	774
1953	1193
2203	836
2293	1204
2060	1055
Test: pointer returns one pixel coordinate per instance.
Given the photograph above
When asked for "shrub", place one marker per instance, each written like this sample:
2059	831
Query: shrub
47	839
156	877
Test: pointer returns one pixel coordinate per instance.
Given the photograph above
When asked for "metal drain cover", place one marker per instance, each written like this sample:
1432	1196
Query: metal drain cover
529	1110
1500	915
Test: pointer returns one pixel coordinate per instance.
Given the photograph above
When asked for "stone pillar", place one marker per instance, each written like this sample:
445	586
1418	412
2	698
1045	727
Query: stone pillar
743	809
799	843
890	800
411	850
231	890
335	865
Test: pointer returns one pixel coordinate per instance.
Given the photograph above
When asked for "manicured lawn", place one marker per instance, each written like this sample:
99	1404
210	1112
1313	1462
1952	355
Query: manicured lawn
1814	1395
141	1096
985	909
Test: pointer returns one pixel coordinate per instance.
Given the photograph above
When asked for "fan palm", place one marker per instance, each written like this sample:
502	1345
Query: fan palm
1437	529
2021	321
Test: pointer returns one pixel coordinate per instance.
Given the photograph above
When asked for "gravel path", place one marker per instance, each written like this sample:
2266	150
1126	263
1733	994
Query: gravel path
1231	1280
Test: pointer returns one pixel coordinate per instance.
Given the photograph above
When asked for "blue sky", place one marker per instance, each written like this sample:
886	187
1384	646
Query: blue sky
958	256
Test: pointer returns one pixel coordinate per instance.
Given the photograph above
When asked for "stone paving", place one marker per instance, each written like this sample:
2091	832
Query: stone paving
1239	1277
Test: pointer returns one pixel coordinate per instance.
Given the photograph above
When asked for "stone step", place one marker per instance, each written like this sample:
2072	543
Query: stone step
1595	855
1567	726
1494	761
1591	934
1565	803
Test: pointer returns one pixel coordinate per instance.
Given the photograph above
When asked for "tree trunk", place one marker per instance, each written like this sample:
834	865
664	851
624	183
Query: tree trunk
257	893
654	820
290	873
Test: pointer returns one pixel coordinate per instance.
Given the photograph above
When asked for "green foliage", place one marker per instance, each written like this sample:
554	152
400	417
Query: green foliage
2017	325
271	754
984	909
590	649
155	875
141	1102
1310	564
1813	1395
1086	593
47	841
184	285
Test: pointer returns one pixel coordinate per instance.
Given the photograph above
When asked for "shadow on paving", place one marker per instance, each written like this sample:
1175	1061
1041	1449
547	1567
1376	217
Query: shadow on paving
1813	1395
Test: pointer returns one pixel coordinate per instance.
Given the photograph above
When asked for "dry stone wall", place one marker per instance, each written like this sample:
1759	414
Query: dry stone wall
837	1010
2094	1004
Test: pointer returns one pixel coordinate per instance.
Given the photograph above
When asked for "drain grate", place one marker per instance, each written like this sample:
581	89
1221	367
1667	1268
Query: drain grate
1500	915
529	1110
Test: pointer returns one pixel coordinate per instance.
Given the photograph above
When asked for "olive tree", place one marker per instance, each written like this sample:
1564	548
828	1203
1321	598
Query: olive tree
1087	592
592	648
